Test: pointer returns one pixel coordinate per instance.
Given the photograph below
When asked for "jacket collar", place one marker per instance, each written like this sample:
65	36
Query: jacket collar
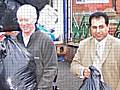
20	39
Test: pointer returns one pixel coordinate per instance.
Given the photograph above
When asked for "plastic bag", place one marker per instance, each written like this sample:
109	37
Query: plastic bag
3	84
18	67
39	4
8	20
94	82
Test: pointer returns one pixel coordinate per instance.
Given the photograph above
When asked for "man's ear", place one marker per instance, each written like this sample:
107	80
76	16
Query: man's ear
108	27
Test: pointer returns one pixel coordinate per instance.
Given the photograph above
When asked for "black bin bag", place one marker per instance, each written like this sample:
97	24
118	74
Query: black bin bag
94	82
17	67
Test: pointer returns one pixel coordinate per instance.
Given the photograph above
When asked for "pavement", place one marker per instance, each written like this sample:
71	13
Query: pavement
65	79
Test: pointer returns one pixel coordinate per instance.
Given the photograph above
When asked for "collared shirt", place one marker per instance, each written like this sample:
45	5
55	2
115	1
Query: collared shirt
100	46
26	39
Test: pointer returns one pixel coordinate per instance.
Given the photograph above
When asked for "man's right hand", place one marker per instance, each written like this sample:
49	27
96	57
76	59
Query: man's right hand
86	73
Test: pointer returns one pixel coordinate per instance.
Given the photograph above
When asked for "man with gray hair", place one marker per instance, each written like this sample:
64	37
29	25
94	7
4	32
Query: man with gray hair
39	45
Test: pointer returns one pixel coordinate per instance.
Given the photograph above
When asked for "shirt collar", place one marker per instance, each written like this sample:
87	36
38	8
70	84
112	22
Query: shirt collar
26	39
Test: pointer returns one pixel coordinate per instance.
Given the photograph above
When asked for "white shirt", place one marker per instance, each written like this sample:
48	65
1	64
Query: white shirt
100	46
26	39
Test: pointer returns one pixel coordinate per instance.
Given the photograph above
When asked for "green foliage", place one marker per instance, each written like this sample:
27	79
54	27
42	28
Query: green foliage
81	31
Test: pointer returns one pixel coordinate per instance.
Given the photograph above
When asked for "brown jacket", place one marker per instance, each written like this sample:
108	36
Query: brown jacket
85	56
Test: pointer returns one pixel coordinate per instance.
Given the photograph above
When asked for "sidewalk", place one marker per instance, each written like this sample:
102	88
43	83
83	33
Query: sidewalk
65	80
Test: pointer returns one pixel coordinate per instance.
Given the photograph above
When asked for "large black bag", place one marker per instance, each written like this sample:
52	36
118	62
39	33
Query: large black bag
8	20
94	82
39	4
17	67
3	84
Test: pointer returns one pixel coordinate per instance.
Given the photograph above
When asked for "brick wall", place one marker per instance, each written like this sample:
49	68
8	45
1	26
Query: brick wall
94	7
118	6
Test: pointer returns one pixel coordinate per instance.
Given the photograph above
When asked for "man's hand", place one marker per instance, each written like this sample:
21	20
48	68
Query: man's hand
86	73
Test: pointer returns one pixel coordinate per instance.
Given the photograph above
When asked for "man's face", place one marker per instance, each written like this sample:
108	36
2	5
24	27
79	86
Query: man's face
26	24
99	29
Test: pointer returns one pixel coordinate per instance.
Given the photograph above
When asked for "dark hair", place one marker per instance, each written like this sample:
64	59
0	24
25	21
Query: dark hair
98	15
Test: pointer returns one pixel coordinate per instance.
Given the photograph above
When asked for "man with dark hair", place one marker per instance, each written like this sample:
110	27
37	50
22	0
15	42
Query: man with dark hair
100	50
97	15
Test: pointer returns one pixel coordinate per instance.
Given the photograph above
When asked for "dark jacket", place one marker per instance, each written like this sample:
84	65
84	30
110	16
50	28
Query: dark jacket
44	53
